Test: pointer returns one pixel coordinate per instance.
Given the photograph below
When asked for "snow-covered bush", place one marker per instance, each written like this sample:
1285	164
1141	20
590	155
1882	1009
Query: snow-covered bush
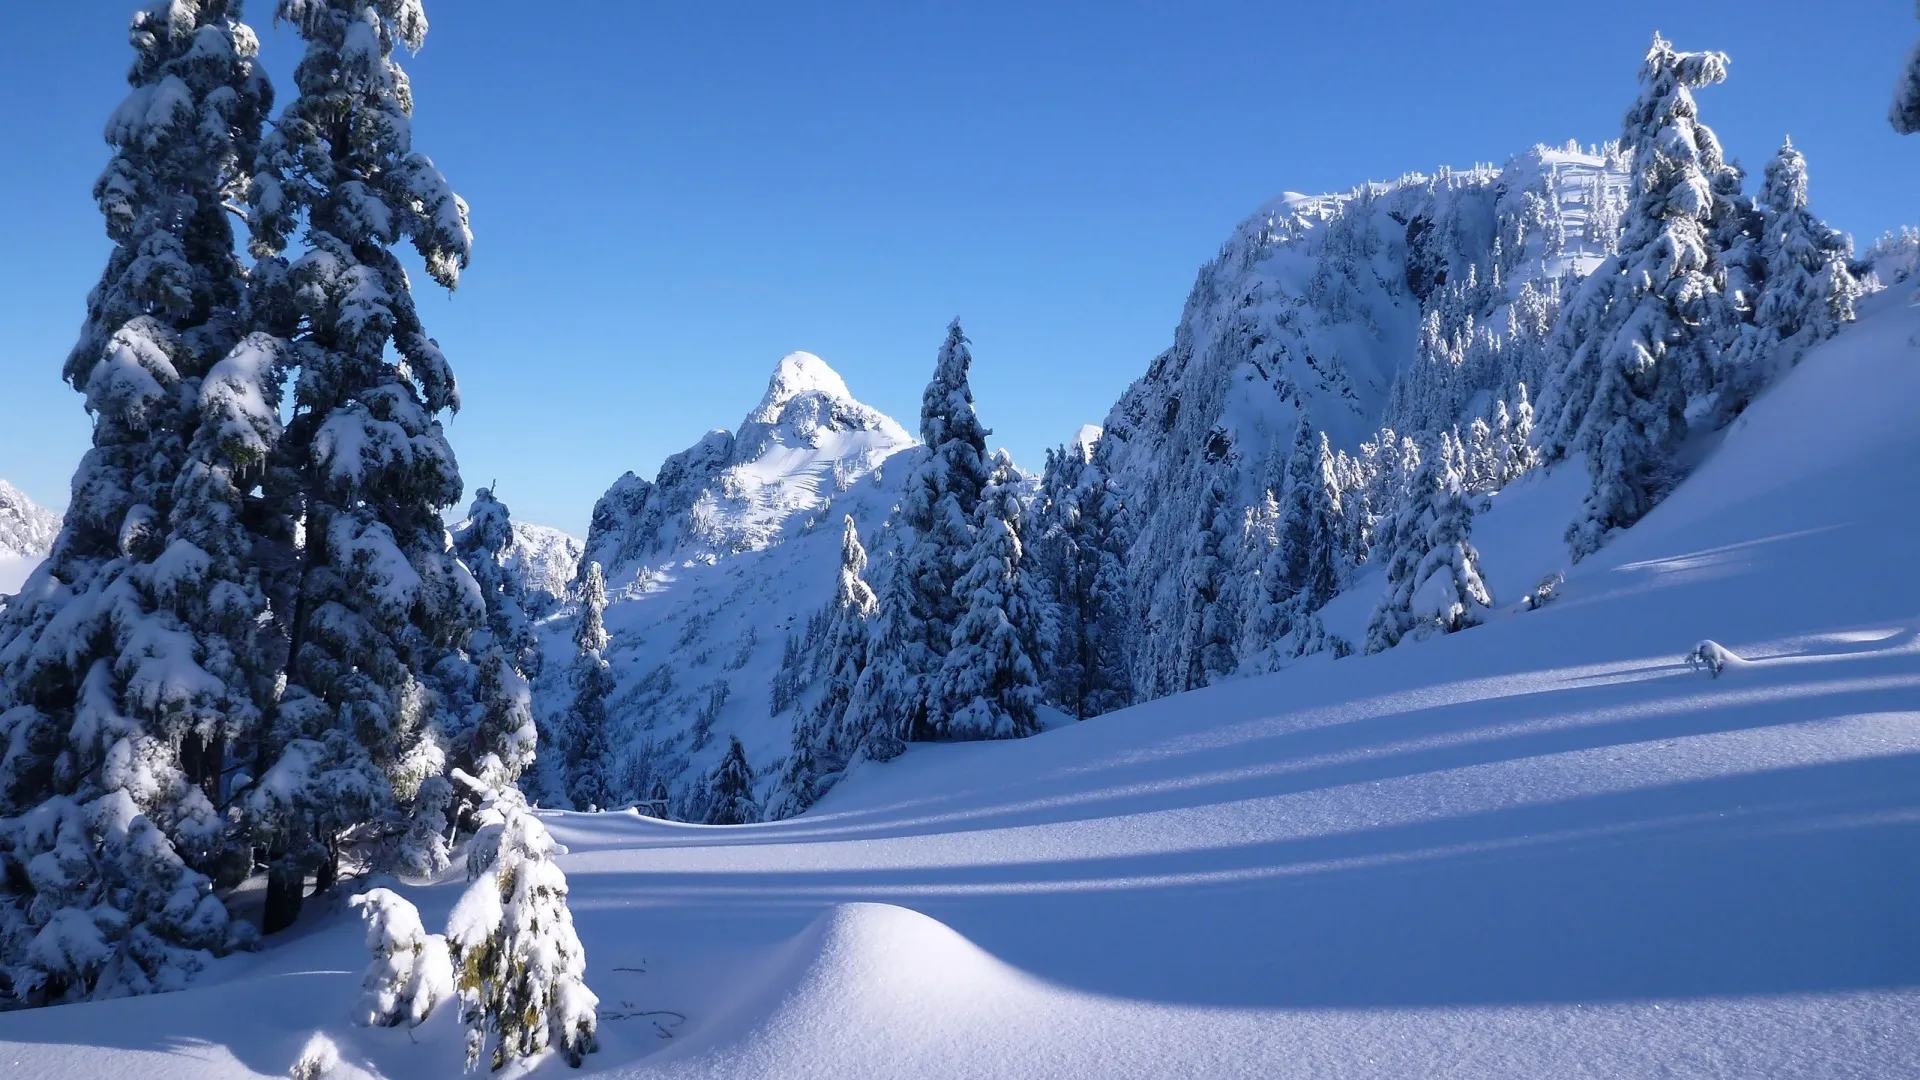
519	967
1544	593
411	973
318	1059
1713	658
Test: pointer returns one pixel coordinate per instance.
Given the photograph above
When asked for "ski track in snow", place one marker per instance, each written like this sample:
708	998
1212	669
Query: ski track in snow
1545	847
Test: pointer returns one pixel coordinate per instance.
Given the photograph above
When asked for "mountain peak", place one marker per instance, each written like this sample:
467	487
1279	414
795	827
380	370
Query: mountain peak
27	533
798	373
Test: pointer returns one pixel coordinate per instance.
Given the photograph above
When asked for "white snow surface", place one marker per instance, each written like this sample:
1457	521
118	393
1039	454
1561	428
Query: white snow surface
1544	847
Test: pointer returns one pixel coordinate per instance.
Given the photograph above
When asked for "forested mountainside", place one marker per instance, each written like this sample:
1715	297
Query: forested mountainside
1392	311
1353	378
1410	304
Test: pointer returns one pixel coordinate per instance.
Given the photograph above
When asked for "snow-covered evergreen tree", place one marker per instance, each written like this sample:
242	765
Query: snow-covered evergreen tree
484	545
1082	557
1521	453
426	848
381	597
411	972
589	784
1212	615
131	661
505	726
1433	583
1310	533
843	654
1260	570
1642	326
1302	569
1893	259
893	684
989	685
1810	289
1483	454
939	507
730	789
518	964
823	740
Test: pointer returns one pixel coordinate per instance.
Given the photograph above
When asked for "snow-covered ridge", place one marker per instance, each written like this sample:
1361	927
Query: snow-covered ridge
26	529
545	558
798	373
27	532
733	492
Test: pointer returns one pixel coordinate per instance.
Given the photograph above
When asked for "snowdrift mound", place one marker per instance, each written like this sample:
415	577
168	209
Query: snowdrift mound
876	983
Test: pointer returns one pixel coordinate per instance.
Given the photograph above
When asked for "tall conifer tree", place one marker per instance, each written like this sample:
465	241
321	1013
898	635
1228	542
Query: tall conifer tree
940	505
119	686
989	685
1653	314
380	595
588	782
1904	114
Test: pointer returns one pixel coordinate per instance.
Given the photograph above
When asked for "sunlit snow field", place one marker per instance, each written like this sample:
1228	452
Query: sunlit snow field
1541	848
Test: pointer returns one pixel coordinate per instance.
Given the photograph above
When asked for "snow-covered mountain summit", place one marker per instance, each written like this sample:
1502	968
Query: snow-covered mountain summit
27	532
735	492
800	374
546	558
712	564
26	529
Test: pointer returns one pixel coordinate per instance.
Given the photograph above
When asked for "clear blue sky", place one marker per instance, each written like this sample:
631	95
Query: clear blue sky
670	197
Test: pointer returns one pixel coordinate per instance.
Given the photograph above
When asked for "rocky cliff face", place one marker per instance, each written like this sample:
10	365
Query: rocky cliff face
1317	306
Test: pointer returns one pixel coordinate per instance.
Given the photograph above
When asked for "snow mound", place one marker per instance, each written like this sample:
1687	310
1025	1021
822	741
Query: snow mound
883	985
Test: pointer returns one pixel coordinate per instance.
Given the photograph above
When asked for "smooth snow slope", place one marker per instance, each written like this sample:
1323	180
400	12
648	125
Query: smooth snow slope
1540	848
